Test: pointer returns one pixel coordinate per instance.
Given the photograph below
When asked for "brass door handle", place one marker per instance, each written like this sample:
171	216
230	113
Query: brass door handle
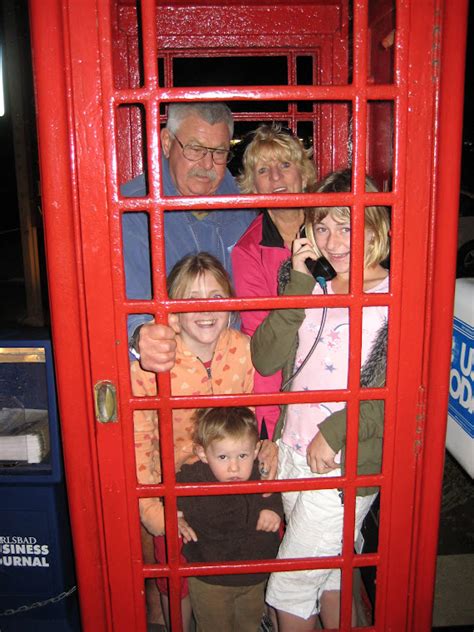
105	400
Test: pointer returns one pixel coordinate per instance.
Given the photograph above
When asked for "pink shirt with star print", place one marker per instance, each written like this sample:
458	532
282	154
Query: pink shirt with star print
327	367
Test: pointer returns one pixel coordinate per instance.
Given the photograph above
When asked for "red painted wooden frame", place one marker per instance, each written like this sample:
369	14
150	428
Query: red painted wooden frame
77	102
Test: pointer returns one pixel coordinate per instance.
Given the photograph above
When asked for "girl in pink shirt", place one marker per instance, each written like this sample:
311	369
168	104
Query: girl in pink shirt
313	435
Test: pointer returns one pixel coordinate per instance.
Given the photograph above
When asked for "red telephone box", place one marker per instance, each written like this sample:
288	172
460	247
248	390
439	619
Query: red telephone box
376	84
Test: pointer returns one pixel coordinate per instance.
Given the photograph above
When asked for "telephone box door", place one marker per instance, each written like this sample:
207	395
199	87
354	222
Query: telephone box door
374	85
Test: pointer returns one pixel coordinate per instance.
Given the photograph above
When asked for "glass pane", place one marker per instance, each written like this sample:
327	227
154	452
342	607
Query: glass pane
225	71
371	425
304	106
304	70
328	130
131	150
161	72
367	540
147	448
136	256
381	41
380	143
299	592
364	592
374	339
127	48
378	243
156	588
216	233
305	132
25	443
231	527
260	106
333	137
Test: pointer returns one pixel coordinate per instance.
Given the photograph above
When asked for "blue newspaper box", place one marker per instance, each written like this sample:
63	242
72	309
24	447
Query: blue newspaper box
37	580
460	429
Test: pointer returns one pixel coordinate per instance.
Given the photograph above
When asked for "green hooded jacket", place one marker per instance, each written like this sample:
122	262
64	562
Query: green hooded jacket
273	347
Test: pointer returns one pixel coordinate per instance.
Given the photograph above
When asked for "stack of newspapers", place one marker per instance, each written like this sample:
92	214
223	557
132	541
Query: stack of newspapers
24	435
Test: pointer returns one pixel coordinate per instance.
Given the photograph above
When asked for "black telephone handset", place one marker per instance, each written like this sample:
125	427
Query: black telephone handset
319	267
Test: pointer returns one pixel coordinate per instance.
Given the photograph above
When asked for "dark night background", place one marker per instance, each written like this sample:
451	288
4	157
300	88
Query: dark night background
12	291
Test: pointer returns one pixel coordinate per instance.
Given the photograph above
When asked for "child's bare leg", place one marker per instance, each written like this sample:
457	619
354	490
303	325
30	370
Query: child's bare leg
152	596
153	607
186	612
331	609
288	622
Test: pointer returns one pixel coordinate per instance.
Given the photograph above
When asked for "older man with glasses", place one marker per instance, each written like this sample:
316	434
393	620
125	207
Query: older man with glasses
195	152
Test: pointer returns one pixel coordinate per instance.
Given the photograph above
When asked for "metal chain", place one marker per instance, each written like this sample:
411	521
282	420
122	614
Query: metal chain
38	604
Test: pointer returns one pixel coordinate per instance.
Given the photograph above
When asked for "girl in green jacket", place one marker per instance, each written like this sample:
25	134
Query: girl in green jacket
311	436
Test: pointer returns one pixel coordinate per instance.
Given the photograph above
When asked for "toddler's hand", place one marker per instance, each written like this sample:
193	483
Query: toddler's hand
268	520
185	531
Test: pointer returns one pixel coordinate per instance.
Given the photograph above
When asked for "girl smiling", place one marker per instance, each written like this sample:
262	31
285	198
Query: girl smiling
312	347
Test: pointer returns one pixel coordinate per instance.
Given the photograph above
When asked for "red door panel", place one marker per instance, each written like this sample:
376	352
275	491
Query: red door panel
375	98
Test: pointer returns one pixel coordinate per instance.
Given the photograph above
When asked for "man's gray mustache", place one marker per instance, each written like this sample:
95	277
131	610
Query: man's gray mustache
199	172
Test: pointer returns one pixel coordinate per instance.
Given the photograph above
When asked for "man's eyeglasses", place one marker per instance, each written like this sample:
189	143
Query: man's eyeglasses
196	152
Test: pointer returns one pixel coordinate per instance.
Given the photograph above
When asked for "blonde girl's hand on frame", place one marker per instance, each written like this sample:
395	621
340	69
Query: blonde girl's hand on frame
320	456
157	345
302	249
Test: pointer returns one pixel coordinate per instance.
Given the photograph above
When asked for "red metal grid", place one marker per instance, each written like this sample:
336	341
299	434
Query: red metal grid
73	72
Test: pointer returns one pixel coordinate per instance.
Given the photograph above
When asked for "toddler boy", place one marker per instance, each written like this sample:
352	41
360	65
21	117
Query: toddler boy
230	527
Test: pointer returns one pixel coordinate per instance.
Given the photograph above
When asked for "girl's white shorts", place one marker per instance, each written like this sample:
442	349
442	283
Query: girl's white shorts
314	522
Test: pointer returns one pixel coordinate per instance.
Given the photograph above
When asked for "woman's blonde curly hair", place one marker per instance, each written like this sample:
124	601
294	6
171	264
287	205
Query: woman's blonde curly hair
271	142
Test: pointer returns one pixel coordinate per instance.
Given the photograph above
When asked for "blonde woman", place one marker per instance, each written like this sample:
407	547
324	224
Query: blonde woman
275	161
